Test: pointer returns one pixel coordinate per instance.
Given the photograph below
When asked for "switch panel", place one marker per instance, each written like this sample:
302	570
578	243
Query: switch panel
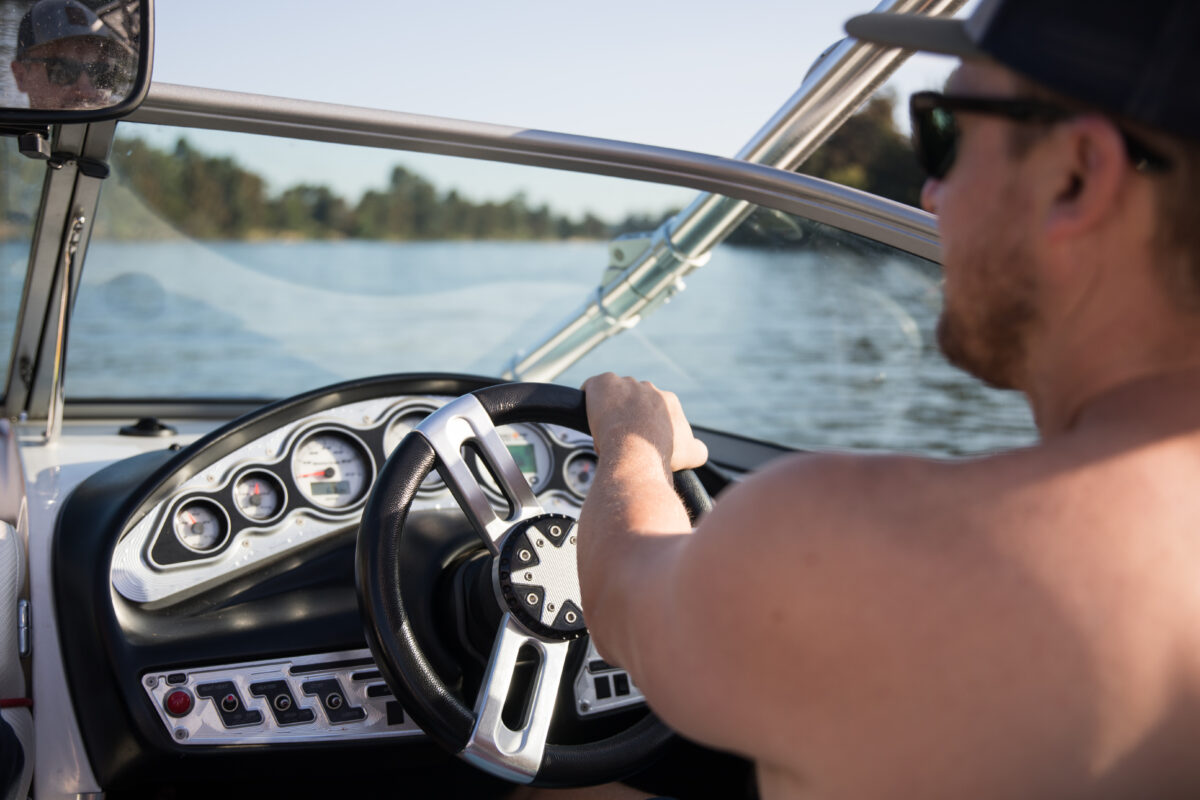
276	700
601	687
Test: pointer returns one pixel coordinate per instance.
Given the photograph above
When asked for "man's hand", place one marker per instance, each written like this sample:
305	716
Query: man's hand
632	512
624	413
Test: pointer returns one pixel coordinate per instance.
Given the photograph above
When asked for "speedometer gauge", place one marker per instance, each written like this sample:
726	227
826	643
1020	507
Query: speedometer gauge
332	469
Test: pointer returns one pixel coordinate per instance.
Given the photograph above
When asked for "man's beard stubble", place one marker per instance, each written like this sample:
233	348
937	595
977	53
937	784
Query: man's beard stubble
991	343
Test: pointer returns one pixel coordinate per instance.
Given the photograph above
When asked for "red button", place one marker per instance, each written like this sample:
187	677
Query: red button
178	703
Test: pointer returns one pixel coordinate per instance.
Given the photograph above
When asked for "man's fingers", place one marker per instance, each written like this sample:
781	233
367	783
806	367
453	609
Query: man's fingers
693	454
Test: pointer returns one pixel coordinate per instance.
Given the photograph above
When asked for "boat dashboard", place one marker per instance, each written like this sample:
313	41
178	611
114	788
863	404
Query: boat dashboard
206	601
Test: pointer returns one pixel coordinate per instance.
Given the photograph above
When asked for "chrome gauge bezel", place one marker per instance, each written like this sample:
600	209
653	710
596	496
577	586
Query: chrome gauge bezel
433	484
364	450
566	467
268	477
221	514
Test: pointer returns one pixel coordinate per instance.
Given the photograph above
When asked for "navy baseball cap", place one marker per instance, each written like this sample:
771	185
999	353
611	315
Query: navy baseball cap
1136	60
52	20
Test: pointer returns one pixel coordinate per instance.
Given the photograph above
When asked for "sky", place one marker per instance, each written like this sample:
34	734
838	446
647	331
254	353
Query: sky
694	74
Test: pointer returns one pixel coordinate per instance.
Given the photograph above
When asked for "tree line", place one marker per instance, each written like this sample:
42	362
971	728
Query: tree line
215	197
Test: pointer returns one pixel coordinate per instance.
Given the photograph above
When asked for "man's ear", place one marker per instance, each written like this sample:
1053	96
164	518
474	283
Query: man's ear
1089	159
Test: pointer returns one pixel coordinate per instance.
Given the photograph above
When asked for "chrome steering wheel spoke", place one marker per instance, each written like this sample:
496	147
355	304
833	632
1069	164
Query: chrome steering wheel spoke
515	754
465	422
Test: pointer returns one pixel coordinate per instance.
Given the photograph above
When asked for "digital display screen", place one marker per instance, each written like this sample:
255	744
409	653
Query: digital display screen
329	487
523	455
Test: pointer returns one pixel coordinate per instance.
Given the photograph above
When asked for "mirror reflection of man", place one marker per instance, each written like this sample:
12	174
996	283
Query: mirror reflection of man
67	58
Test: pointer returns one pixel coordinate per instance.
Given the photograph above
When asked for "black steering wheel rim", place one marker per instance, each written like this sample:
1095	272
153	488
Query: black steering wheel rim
391	635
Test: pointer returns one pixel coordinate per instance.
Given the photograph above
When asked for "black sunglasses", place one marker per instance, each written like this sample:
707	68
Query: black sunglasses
935	133
65	71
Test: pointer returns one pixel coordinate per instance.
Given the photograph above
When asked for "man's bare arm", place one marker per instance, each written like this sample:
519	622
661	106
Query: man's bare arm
831	611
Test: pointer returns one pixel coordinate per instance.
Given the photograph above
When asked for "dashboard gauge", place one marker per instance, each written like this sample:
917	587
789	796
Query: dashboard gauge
529	450
258	495
579	471
332	468
397	429
201	525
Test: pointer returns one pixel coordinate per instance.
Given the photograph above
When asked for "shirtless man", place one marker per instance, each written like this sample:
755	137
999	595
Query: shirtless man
1023	625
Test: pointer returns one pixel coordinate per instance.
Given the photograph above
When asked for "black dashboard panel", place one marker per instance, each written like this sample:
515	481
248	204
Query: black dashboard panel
297	604
241	661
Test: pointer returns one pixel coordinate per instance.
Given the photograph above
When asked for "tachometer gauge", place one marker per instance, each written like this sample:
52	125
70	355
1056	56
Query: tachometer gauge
258	495
201	525
530	451
332	469
579	471
397	429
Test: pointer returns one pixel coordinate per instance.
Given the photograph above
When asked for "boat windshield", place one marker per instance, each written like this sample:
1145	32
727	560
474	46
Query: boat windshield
20	190
204	280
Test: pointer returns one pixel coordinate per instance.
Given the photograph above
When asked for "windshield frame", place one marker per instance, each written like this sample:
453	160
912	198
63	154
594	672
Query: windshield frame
70	195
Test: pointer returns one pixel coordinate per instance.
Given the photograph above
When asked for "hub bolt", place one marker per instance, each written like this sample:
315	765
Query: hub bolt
540	542
528	576
531	598
571	616
525	555
550	607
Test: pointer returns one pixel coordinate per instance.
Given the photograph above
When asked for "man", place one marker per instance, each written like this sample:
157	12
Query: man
67	58
1022	625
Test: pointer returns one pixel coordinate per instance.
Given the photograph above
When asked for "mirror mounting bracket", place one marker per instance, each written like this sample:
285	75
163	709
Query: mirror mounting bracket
34	142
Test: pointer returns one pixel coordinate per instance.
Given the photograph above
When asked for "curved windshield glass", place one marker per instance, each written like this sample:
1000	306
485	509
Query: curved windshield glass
20	191
205	280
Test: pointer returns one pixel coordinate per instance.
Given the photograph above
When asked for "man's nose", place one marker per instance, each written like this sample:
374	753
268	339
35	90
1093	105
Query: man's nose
929	195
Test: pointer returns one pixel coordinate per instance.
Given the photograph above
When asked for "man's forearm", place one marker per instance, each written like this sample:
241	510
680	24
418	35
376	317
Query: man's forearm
631	507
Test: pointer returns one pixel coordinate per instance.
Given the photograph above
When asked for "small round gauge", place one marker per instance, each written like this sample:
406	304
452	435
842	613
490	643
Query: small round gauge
580	471
331	468
397	429
530	451
258	495
201	525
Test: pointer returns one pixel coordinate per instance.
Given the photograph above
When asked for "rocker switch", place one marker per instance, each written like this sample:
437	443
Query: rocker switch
333	700
229	705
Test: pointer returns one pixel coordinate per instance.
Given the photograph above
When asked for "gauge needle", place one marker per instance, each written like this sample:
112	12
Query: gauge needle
322	473
191	519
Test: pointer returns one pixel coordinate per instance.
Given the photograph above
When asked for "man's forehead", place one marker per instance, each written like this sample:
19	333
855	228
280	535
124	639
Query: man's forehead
979	76
72	46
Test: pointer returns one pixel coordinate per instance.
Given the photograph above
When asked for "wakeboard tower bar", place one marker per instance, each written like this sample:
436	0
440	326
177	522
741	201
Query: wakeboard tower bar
647	270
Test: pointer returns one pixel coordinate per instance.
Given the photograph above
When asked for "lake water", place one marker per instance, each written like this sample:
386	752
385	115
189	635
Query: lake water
824	350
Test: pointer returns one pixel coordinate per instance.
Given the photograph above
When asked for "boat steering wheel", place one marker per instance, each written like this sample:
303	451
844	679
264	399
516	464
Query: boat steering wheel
521	586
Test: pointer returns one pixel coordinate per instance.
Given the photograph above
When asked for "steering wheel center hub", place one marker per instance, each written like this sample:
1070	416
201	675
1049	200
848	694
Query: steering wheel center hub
538	577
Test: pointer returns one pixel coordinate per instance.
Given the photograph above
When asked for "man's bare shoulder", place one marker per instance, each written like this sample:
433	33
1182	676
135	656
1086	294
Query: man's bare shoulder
875	494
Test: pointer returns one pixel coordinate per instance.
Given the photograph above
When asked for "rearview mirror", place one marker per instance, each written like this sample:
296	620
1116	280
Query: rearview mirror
73	60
